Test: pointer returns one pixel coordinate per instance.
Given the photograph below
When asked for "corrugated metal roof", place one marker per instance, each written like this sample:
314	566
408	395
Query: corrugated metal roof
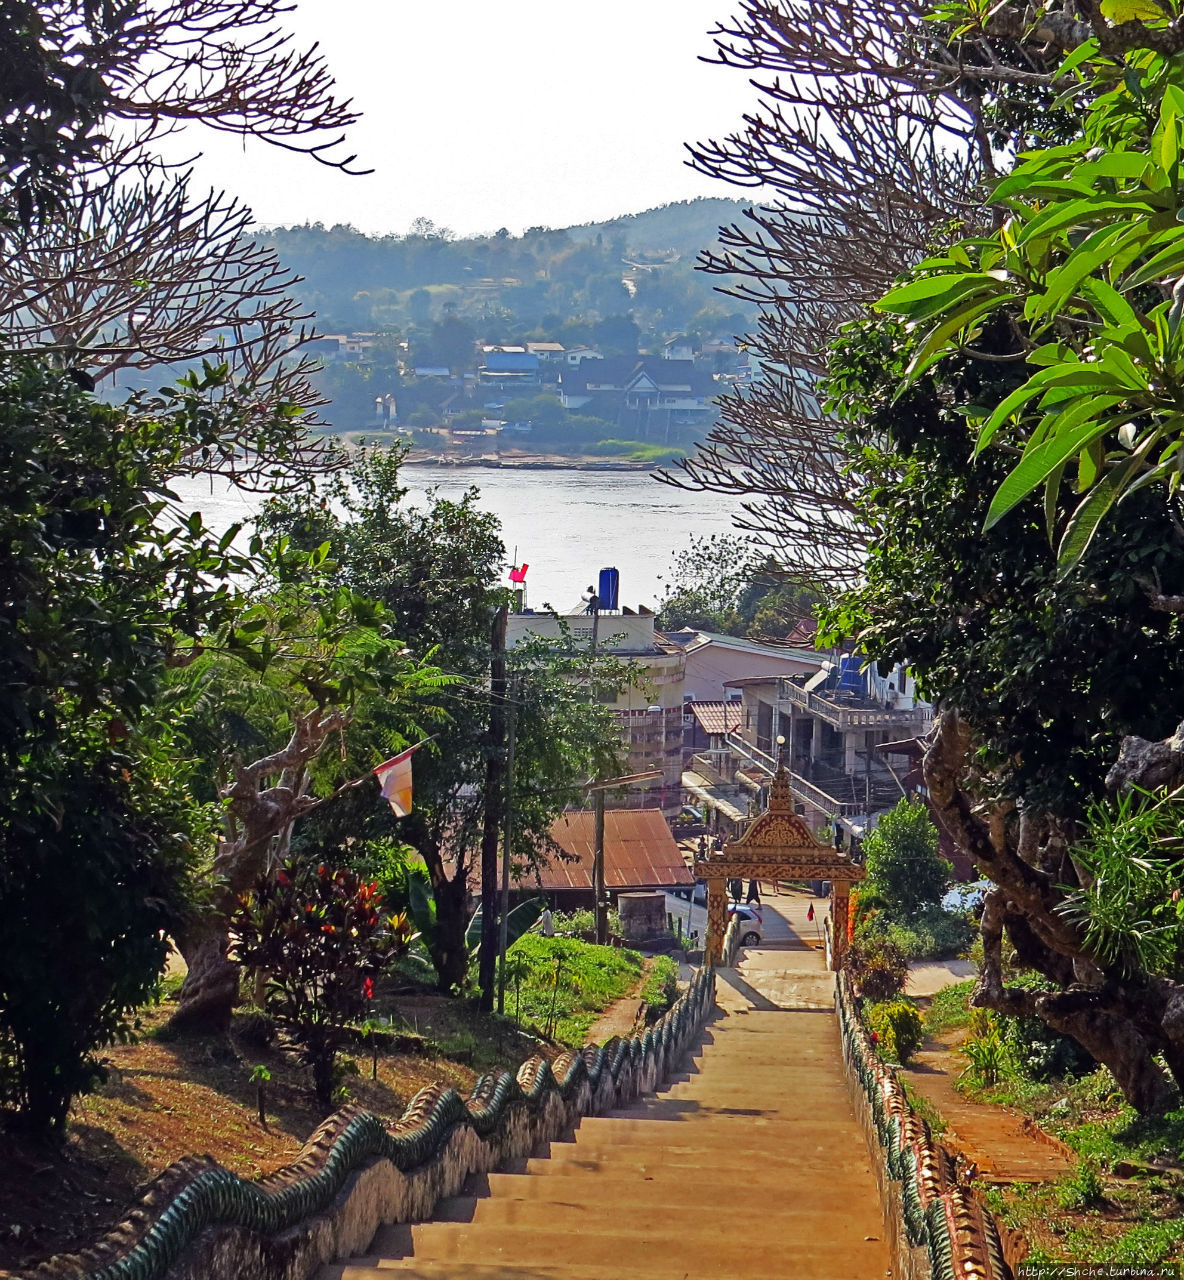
717	717
639	852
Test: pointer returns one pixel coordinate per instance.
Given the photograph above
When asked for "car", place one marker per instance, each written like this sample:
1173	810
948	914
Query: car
751	922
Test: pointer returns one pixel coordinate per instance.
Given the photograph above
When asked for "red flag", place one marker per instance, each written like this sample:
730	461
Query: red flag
519	575
810	913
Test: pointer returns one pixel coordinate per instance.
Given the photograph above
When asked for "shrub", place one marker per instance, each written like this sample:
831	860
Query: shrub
988	1059
1039	1052
897	1027
319	936
877	968
661	987
1082	1189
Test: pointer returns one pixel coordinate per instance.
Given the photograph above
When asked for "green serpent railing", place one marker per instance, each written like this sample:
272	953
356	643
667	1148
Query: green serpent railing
961	1237
197	1193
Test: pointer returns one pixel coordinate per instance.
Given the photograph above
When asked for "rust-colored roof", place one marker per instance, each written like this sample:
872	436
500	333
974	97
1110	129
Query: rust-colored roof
639	852
717	717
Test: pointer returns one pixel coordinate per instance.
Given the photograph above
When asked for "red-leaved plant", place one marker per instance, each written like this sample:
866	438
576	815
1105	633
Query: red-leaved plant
321	938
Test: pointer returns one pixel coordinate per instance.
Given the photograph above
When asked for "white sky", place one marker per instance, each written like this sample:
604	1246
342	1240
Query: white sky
481	115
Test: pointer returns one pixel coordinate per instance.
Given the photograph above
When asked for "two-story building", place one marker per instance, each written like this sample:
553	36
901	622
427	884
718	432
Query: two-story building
650	713
645	396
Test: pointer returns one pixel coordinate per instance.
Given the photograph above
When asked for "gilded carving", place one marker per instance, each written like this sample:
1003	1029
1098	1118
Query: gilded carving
778	845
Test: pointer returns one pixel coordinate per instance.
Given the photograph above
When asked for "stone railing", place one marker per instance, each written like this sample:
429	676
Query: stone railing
199	1221
938	1227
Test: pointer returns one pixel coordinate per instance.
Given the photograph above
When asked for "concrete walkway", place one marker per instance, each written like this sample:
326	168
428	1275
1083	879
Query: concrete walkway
747	1164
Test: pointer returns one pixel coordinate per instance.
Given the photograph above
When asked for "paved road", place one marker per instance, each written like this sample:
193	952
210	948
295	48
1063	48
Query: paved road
784	915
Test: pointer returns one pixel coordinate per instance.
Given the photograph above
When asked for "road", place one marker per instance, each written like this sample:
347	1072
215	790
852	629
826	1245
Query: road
784	914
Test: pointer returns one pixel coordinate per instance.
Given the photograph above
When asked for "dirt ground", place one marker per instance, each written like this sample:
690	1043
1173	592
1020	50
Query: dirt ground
165	1099
1002	1145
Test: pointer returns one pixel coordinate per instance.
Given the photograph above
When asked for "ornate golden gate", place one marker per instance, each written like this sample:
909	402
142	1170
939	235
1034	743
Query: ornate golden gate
777	846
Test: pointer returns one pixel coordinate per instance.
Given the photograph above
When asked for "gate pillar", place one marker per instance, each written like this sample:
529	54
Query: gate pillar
840	909
717	919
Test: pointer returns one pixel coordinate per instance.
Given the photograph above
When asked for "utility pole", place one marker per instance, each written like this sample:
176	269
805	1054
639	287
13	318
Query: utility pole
507	833
598	867
598	787
494	786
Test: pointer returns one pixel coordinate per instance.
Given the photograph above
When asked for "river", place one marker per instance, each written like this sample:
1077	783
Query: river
567	525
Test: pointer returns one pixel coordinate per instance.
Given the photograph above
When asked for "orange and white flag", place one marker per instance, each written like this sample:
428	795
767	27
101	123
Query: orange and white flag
394	777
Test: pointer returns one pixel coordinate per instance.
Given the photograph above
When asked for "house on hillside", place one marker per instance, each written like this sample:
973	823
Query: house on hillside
646	397
639	854
510	369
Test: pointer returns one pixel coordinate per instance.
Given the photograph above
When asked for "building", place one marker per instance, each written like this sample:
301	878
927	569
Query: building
639	854
715	660
651	713
511	369
848	739
646	397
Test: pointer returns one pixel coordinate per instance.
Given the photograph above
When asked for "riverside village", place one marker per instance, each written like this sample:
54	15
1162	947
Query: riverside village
630	729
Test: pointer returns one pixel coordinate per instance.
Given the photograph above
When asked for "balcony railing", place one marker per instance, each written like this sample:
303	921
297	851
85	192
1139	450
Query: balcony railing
801	787
843	712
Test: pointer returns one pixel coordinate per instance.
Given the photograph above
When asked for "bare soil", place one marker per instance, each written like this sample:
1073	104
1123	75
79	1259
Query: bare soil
166	1099
1003	1145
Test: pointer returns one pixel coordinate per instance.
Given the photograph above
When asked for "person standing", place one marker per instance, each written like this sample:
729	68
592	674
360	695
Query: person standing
734	888
754	893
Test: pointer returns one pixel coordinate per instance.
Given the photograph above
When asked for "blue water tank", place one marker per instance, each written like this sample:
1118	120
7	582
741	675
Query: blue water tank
610	583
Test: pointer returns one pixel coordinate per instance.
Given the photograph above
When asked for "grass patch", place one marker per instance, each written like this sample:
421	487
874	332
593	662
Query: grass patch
634	451
949	1009
565	983
660	989
924	1108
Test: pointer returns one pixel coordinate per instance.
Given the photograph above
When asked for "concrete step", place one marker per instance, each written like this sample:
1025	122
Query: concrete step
708	1250
648	1205
709	1131
621	1269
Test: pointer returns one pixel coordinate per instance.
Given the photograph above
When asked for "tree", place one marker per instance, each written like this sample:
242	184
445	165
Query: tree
436	568
873	132
73	68
904	867
1039	676
1084	272
99	594
727	584
314	650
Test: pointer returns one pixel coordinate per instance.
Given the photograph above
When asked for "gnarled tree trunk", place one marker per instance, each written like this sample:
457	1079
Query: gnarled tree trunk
1122	1019
259	823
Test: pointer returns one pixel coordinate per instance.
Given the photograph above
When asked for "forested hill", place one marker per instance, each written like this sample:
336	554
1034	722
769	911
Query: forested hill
549	283
685	226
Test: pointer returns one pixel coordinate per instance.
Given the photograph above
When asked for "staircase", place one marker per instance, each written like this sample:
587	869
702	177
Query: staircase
748	1164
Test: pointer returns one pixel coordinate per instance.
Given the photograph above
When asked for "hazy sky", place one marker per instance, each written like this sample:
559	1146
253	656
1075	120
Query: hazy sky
481	115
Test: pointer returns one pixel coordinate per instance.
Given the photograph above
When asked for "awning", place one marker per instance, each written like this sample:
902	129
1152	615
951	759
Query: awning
702	790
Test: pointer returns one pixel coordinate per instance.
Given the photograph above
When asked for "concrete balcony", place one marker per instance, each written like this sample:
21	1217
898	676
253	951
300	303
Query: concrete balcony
850	711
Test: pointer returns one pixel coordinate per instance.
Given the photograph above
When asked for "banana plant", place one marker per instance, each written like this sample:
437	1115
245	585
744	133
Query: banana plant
421	907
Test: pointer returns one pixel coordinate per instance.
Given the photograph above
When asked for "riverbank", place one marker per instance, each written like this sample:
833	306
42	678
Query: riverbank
643	458
525	462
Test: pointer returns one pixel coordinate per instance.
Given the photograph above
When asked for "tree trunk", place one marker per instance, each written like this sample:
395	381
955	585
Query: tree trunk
260	820
449	953
210	990
1123	1021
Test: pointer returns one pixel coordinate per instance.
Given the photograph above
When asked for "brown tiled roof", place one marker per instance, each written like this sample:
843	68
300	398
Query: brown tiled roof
639	852
717	717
